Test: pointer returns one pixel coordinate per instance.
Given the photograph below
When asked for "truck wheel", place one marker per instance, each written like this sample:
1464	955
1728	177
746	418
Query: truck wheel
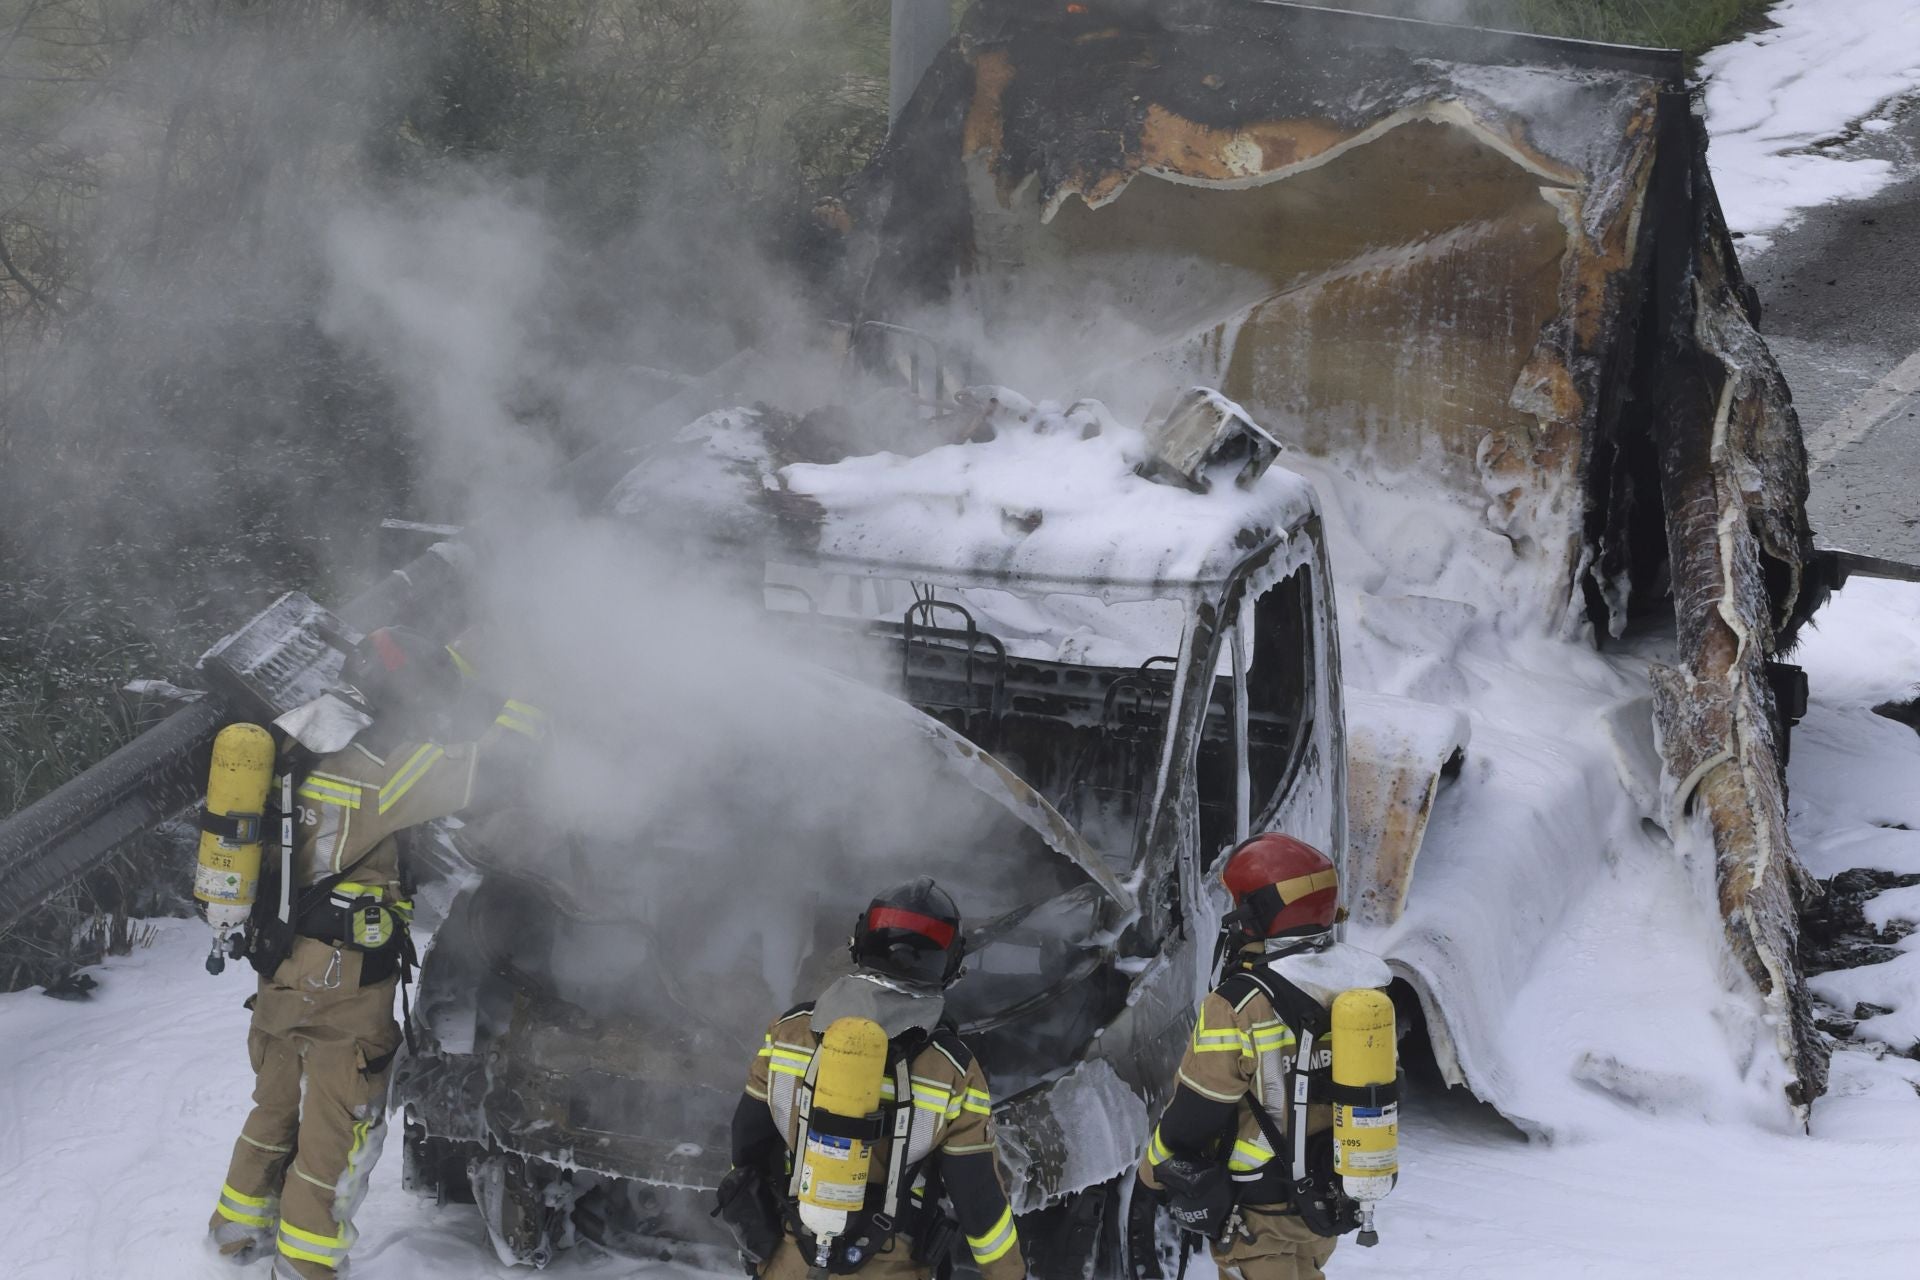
1137	1251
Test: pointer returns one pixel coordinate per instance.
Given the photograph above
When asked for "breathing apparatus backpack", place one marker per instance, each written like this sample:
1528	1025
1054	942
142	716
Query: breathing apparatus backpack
1305	1165
282	912
884	1210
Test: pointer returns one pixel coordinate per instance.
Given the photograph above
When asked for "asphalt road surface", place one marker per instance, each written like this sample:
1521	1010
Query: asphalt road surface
1841	293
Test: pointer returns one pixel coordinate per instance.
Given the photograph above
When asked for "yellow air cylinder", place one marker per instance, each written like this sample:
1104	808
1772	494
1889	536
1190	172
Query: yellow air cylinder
228	875
1366	1100
852	1060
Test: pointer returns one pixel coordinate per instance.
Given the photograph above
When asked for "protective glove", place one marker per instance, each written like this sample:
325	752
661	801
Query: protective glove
1199	1195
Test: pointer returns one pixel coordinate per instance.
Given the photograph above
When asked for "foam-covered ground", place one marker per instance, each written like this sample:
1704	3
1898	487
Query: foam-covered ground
1781	103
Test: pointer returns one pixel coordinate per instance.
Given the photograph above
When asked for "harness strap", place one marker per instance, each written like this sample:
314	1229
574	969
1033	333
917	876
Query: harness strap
286	844
1300	1091
897	1170
803	1111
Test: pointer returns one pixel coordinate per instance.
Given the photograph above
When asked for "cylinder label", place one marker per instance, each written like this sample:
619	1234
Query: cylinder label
222	884
830	1188
1375	1163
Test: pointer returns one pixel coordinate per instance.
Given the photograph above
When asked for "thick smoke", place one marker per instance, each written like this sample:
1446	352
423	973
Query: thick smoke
309	310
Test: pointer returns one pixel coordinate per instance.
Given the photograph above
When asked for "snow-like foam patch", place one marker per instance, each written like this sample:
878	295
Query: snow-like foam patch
1775	97
1855	786
1573	948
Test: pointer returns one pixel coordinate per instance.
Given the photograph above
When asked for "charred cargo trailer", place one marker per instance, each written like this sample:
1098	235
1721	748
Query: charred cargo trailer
1490	265
1081	698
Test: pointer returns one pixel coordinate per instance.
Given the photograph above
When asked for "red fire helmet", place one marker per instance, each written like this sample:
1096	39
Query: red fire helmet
1282	887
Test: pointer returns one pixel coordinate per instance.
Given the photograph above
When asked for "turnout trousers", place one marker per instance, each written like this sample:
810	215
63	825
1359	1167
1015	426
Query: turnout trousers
1273	1246
321	1046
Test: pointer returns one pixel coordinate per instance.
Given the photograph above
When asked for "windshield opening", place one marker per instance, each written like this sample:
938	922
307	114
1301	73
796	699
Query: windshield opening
1069	692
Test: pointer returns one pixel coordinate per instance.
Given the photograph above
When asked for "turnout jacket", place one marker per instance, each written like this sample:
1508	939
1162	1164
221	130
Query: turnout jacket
952	1127
1240	1057
353	802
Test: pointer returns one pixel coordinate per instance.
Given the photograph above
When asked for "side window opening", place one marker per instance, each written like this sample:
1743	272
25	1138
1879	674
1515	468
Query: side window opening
1280	675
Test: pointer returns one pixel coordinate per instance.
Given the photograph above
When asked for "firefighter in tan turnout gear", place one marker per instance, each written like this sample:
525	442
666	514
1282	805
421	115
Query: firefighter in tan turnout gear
1230	1156
864	1111
323	1033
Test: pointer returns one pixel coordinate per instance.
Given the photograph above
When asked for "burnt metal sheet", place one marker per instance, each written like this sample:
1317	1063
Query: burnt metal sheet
1398	752
1734	480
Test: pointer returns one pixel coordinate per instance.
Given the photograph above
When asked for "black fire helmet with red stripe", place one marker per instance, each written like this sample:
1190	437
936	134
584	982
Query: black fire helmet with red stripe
911	932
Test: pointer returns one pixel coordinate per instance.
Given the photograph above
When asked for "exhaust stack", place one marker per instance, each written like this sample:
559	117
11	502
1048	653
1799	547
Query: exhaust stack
920	28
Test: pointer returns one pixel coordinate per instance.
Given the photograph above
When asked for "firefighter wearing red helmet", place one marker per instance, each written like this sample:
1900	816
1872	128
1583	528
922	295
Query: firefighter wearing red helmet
934	1138
1224	1157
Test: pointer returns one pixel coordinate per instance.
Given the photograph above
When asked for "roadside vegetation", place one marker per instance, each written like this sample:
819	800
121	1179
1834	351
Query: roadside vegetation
1693	26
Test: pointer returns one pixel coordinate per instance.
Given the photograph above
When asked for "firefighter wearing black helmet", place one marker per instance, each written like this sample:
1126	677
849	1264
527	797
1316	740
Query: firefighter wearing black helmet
376	756
907	950
1224	1156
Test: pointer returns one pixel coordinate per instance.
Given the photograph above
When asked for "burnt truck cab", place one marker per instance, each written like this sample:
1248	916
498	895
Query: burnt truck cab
1095	666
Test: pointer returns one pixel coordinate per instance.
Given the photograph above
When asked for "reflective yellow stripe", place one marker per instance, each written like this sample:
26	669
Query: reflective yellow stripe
313	1237
994	1245
346	797
354	1174
1268	1036
1157	1151
309	1246
782	1069
305	1255
1248	1156
461	665
522	727
248	1211
978	1102
1293	890
524	718
1235	1041
354	889
410	773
